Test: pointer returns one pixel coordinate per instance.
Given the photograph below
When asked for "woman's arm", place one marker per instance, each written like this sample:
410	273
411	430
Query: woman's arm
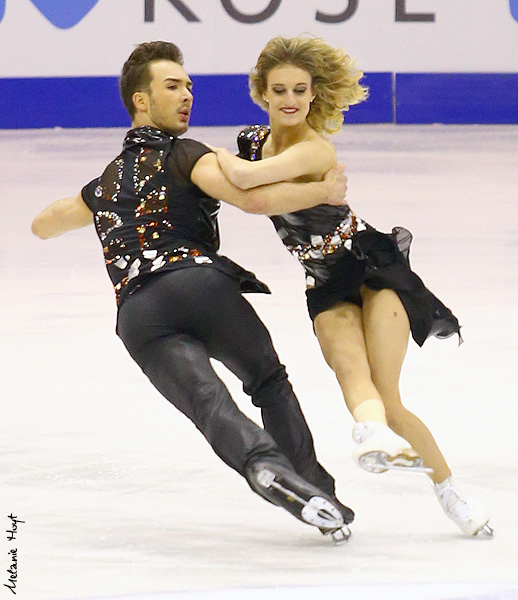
313	157
272	199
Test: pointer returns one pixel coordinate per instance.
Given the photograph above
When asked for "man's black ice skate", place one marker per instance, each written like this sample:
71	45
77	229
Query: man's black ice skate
283	487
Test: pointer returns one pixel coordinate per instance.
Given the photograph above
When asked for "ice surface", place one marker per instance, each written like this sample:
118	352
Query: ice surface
121	496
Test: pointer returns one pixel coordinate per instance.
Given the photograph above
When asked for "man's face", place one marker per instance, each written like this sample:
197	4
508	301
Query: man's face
169	98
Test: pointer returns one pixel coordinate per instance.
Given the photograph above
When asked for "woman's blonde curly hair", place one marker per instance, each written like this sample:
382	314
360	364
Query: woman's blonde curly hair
334	78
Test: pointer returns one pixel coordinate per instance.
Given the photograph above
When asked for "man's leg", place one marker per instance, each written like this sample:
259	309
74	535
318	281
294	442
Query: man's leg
178	365
235	335
180	369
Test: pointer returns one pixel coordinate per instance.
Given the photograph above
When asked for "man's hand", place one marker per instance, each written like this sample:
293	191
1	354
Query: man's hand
337	182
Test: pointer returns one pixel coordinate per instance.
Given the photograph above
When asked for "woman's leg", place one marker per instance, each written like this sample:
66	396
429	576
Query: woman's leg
339	331
387	329
386	333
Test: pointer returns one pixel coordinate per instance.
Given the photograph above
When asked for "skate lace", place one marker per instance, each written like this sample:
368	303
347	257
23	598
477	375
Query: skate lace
454	504
361	433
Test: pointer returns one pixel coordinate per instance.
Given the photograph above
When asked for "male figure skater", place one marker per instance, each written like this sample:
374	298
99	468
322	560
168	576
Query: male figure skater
179	302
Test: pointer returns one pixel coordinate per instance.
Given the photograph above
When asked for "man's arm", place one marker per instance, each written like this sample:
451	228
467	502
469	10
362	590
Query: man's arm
62	216
274	199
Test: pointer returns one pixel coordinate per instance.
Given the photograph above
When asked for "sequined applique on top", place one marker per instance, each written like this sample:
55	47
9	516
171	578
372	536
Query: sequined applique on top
147	212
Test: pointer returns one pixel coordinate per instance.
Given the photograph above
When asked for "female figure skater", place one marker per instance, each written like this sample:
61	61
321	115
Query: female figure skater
362	296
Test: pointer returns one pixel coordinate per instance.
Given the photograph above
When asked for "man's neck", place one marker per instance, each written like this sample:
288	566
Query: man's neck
142	121
148	123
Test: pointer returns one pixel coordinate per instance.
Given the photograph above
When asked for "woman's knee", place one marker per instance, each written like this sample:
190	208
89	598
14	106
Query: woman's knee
348	361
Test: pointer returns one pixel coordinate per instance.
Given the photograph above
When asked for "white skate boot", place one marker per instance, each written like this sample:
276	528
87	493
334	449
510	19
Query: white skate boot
378	449
470	514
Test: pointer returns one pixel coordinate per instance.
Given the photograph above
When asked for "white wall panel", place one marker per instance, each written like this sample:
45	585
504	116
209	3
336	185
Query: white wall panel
465	36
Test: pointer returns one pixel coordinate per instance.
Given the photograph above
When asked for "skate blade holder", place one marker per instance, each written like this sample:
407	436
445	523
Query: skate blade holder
265	478
316	511
379	462
320	512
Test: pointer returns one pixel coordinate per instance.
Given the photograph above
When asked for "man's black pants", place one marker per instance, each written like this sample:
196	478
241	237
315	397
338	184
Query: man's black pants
174	324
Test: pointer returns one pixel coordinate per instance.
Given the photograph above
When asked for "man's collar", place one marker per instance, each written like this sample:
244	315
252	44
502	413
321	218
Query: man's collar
148	136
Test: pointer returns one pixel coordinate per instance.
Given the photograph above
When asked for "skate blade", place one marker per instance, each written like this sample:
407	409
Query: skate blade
339	536
380	462
486	531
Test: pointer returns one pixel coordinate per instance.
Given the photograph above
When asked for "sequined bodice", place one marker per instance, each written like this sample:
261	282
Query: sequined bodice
312	235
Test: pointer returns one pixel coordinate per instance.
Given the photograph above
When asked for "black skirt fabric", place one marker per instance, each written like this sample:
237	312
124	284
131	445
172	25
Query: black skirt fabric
381	261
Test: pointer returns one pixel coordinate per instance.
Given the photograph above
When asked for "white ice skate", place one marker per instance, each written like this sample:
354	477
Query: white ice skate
378	449
469	514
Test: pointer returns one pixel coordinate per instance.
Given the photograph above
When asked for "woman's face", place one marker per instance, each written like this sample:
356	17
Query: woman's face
289	94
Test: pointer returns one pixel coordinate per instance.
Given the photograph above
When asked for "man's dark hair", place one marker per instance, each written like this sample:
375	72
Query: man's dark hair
136	75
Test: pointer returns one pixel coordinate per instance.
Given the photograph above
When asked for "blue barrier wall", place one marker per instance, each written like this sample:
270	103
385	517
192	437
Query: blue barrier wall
27	103
457	98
